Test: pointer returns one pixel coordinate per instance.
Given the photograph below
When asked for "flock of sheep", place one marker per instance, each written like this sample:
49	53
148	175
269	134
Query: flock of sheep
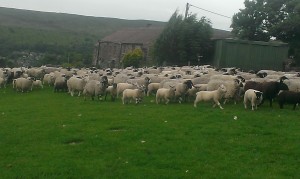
168	84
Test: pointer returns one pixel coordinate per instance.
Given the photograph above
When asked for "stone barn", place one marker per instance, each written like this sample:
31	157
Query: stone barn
109	51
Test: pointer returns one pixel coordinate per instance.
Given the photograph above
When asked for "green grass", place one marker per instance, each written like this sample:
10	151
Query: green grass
53	135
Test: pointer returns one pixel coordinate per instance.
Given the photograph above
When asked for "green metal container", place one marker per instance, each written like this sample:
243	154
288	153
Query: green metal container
250	55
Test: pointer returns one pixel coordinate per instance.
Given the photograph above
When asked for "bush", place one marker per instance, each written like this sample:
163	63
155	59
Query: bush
133	58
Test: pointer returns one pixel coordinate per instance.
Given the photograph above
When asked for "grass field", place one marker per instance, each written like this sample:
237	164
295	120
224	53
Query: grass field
53	135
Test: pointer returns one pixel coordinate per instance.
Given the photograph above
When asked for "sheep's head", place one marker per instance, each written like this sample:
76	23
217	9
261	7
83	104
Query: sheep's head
222	88
258	94
281	79
189	84
283	86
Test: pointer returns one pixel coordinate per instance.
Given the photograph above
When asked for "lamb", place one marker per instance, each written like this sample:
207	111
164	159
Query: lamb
152	87
254	96
122	86
112	90
269	89
288	97
214	96
191	93
135	94
165	94
37	84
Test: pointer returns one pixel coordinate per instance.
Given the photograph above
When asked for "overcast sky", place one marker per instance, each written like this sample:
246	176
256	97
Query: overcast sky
158	10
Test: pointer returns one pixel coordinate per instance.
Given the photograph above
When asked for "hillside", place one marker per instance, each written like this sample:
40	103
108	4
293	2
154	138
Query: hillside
36	38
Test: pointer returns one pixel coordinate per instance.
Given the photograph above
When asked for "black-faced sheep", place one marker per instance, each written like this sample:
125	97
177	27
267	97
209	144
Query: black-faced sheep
214	96
290	97
94	88
269	89
181	90
254	97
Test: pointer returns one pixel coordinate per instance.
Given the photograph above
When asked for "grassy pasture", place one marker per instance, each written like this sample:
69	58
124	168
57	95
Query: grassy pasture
53	135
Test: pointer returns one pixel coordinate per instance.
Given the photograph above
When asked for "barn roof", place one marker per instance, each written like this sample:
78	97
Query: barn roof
147	35
144	35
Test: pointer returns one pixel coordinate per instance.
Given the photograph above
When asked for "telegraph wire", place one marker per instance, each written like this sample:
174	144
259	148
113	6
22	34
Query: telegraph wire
188	5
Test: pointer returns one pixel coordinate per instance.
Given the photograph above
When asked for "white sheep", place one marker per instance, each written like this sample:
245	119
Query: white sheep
37	84
191	93
94	88
76	84
60	83
49	79
254	96
112	90
293	84
165	94
152	87
214	96
2	82
135	94
233	87
23	84
122	86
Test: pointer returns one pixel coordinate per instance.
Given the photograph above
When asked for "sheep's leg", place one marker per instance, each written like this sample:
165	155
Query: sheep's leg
225	101
195	104
167	101
180	100
245	104
218	103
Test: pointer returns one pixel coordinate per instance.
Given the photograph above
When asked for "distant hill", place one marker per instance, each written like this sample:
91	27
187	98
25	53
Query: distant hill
54	37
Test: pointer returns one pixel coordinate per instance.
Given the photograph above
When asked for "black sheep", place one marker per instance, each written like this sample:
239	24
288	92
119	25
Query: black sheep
269	89
290	97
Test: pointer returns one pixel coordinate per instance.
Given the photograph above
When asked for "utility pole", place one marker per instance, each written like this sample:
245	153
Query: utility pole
187	10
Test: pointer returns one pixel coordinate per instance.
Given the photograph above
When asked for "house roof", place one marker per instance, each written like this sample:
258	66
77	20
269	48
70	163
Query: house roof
147	35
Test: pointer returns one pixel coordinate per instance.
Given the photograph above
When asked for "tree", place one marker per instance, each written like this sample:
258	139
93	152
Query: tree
183	40
265	19
133	58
